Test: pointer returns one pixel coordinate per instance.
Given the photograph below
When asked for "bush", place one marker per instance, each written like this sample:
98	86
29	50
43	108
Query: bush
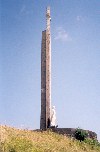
92	142
80	134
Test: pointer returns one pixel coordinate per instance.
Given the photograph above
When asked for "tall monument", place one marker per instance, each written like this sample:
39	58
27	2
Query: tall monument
45	119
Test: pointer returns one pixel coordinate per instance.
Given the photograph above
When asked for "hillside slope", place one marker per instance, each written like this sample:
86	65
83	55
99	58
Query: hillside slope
16	140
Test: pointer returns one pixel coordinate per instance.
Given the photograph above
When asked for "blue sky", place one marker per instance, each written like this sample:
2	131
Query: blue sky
75	33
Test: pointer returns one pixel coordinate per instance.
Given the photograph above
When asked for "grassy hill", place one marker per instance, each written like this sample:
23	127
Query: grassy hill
17	140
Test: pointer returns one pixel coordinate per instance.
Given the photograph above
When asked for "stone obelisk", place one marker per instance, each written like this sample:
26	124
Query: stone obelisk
46	74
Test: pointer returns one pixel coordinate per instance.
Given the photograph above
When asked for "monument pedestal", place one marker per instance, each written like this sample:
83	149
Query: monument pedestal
71	132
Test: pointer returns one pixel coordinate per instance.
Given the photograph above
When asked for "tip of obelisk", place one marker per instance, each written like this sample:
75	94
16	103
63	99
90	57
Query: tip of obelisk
48	7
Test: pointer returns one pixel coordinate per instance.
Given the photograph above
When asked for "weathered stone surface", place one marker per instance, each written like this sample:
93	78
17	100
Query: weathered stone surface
43	82
71	132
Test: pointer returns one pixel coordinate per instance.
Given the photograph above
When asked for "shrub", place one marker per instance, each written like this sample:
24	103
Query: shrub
92	142
80	134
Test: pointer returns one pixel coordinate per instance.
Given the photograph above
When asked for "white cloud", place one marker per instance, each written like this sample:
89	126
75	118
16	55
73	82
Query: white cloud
62	35
79	18
23	8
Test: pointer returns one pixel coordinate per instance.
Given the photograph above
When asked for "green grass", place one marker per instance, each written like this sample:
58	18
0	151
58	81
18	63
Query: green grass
15	140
